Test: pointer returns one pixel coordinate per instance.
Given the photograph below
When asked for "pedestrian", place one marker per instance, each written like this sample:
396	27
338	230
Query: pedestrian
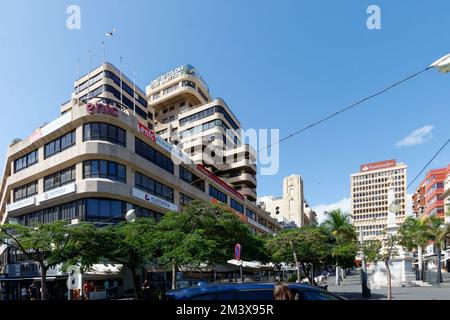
23	293
86	290
282	292
107	289
146	289
115	288
32	290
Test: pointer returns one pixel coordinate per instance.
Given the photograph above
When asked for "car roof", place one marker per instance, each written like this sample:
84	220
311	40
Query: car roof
214	288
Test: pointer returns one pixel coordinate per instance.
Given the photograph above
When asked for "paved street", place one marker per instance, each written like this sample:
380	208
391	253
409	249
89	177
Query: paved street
351	289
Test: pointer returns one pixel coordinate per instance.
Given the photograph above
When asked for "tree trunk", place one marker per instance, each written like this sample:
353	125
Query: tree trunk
215	274
43	281
420	262
296	262
389	284
174	276
136	284
312	274
439	265
337	278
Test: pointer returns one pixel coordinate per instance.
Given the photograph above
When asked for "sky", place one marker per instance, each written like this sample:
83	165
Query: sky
277	64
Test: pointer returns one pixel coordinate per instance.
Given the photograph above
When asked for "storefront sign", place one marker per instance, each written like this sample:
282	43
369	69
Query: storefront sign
21	204
147	132
174	151
101	108
31	269
70	188
52	126
139	194
378	165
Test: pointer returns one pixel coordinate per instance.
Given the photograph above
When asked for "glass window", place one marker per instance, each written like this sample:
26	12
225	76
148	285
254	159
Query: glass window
154	187
236	206
154	156
104	132
104	169
219	195
59	144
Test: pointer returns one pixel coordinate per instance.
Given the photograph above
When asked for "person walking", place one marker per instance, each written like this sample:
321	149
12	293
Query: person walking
282	292
32	290
86	290
23	293
146	289
107	289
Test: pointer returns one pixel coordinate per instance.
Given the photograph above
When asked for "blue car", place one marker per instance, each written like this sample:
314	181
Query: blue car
249	291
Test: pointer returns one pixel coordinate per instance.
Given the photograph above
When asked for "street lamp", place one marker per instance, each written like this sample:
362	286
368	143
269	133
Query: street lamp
130	216
442	64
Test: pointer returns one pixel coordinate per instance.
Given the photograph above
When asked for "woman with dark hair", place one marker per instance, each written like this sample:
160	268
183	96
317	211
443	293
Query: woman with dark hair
282	292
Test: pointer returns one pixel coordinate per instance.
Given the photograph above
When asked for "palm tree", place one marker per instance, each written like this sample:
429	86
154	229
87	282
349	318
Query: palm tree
339	225
439	233
413	235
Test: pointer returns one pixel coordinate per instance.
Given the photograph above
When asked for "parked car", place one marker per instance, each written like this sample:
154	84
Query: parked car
249	291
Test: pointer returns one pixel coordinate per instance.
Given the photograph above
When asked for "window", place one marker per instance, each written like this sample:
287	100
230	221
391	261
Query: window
60	144
318	295
25	191
219	195
26	161
263	294
105	132
192	179
152	155
154	187
170	89
104	208
202	94
104	169
250	213
184	199
236	206
59	179
187	83
147	213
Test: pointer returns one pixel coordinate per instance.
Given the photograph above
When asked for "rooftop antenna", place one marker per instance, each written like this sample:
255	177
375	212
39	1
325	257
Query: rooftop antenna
108	34
134	92
121	81
89	74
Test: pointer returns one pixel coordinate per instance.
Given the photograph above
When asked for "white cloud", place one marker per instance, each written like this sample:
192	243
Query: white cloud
343	204
418	136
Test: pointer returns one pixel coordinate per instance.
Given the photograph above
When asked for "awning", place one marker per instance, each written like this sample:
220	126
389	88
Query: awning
246	264
104	269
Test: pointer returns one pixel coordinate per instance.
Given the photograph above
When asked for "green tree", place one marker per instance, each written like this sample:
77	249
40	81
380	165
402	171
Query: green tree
48	244
204	233
131	244
339	225
414	234
305	247
439	233
382	251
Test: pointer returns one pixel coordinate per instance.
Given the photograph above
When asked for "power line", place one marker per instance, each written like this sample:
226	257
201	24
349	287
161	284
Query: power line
431	160
347	108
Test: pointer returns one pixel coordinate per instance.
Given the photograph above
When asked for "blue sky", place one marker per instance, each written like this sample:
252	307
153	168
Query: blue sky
277	64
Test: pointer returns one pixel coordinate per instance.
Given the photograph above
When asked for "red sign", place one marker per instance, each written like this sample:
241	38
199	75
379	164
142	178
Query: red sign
219	181
102	108
377	165
147	132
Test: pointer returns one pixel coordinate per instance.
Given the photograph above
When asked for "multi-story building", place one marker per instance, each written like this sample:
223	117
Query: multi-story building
291	207
369	196
429	198
205	128
446	197
101	158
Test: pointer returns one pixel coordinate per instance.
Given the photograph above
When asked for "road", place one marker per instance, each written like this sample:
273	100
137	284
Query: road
350	288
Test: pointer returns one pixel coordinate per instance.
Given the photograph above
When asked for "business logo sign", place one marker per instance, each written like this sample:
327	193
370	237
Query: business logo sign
173	74
52	126
101	108
55	193
21	204
378	165
141	195
147	132
175	152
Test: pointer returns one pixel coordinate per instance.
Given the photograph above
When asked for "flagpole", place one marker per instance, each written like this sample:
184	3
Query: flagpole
78	81
120	82
134	92
89	74
103	49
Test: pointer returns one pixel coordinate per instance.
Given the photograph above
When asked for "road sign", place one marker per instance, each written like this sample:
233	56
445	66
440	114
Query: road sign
237	251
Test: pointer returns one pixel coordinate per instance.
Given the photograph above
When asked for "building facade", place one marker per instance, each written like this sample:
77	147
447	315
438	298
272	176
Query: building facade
430	196
291	207
205	128
369	196
101	158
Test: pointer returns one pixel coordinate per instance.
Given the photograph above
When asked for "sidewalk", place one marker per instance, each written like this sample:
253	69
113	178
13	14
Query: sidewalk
351	289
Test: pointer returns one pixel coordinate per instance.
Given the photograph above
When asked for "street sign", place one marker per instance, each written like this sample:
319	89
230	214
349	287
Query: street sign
237	251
